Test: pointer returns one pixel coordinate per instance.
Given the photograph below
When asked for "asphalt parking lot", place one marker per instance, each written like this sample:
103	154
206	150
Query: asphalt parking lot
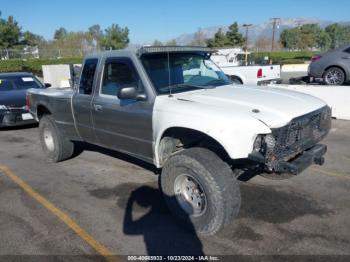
114	202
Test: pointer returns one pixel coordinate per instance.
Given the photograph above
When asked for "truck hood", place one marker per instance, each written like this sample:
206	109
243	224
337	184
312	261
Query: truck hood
273	106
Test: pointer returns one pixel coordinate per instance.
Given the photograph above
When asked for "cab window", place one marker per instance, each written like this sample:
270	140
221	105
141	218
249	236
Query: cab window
87	76
119	73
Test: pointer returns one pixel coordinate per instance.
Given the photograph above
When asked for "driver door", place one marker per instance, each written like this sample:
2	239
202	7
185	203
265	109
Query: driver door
123	125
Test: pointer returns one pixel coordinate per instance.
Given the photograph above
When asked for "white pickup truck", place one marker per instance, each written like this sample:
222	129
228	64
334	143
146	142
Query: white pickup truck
230	62
174	108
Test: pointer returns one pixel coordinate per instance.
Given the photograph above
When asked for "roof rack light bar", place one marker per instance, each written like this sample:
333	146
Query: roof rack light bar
162	49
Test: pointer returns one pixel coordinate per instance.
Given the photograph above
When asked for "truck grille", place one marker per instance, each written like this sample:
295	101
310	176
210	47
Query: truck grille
300	134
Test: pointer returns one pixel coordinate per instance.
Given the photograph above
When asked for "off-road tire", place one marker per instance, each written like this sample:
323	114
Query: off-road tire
61	148
218	182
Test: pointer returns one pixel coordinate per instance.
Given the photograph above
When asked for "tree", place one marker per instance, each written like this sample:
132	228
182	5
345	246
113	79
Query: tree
60	33
234	37
157	43
290	39
307	36
310	36
115	37
171	42
95	35
10	32
324	41
338	34
95	31
219	39
199	39
30	39
263	43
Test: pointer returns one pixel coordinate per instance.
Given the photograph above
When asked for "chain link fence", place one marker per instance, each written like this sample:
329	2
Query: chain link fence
36	53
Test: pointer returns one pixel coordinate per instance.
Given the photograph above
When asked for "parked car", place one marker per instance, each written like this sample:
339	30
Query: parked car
13	88
333	67
231	62
174	108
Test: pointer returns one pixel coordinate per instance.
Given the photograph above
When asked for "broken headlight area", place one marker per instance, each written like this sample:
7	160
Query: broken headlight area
287	143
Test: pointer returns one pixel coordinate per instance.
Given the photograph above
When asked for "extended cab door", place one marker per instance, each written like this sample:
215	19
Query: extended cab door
124	125
82	100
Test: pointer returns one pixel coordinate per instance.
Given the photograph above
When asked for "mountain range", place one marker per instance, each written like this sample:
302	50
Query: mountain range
257	30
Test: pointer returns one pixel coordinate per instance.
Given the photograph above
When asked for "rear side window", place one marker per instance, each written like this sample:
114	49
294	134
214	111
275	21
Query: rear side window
119	73
87	76
347	50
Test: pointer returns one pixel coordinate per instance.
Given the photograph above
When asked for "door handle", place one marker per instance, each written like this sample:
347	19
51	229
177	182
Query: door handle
346	57
98	108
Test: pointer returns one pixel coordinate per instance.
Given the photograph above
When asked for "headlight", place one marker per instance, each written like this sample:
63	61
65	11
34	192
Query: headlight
264	143
270	141
2	107
258	143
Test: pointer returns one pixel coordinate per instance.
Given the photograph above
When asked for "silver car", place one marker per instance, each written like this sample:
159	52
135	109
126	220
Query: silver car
332	67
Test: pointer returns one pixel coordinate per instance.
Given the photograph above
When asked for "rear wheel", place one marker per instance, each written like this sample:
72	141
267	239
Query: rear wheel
201	190
334	76
56	147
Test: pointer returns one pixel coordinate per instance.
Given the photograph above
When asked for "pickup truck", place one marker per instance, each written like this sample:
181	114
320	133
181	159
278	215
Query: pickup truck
231	62
174	108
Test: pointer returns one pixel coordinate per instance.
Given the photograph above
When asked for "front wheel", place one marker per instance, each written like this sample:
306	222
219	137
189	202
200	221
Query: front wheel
201	190
334	76
54	144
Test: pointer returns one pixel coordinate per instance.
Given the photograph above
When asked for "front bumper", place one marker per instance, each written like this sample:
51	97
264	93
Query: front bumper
297	165
15	118
306	159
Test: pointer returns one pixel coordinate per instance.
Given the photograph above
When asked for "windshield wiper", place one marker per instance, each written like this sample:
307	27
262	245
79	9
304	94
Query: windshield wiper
217	82
190	85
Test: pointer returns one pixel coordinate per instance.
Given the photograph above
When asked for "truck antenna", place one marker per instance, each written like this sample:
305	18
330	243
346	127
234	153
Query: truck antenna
170	94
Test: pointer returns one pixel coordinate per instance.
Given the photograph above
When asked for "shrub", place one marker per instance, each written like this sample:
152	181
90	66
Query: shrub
34	65
285	57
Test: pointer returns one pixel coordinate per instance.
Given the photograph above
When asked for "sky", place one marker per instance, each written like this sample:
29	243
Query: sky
162	19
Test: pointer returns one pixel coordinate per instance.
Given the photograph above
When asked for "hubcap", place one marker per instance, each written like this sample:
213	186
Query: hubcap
48	139
334	77
190	195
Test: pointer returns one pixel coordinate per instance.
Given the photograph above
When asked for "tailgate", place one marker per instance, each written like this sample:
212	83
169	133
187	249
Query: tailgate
271	72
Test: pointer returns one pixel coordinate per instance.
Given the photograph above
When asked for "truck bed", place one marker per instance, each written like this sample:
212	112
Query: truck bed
58	102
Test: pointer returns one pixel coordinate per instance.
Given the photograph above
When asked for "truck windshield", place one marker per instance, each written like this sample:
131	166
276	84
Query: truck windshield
10	83
182	72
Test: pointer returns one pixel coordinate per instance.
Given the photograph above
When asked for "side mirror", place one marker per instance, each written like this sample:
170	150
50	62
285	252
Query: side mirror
47	85
130	93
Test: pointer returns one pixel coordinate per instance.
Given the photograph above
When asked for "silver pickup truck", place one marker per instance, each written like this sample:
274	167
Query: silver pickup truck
174	108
